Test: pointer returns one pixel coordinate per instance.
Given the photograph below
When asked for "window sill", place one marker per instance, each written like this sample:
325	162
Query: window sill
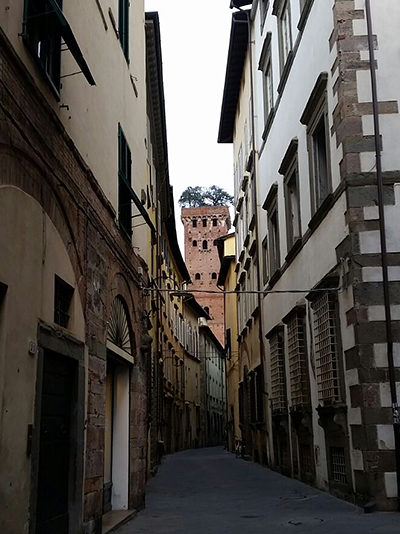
294	250
304	15
268	123
274	278
252	222
285	72
321	212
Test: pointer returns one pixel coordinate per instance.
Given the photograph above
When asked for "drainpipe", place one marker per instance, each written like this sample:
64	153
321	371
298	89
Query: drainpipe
257	229
382	228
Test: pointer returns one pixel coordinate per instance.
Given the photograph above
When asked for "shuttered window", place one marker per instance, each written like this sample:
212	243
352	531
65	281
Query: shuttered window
124	183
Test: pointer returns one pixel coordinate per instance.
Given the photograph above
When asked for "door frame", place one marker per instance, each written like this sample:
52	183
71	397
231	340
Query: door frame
60	342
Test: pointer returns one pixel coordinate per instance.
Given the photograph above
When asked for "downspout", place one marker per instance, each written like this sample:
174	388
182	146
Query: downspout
382	229
260	281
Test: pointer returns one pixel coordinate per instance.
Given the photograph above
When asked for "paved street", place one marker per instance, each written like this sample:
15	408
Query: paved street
209	491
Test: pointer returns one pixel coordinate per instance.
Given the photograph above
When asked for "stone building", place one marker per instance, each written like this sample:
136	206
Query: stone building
326	166
76	240
237	125
202	226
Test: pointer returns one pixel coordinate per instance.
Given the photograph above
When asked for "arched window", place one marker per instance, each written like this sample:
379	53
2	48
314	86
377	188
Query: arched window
197	276
214	276
205	244
194	223
119	328
194	243
215	222
204	223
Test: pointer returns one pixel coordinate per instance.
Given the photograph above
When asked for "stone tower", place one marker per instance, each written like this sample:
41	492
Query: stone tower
203	226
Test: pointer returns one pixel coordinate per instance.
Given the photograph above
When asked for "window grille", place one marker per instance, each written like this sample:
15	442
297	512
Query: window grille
306	460
299	383
63	293
338	465
278	384
326	348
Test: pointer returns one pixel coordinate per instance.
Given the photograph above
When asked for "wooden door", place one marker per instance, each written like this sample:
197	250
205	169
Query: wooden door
55	444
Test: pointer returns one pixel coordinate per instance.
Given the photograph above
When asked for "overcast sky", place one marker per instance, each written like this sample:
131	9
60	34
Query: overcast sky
194	41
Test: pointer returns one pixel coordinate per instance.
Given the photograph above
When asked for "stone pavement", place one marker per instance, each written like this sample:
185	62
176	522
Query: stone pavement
210	491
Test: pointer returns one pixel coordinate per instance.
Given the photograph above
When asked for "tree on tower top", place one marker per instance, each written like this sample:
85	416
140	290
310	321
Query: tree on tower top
194	197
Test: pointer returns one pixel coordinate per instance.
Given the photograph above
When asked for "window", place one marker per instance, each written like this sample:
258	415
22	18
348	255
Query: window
278	377
205	244
289	169
318	140
194	243
284	32
265	66
194	223
338	464
123	26
292	206
228	343
44	27
315	117
265	261
297	356
264	4
214	276
271	205
197	276
124	183
215	222
326	348
204	223
62	301
43	37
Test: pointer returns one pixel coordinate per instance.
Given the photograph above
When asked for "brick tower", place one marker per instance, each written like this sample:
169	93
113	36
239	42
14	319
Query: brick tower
203	226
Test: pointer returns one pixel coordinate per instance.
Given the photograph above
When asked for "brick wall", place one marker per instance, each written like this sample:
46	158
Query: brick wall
211	222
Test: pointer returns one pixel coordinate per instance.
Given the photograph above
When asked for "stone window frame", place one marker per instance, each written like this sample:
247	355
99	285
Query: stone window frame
282	10
265	66
289	169
265	261
315	112
274	256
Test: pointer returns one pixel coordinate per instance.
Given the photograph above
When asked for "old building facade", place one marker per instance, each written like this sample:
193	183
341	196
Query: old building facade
331	364
73	313
227	280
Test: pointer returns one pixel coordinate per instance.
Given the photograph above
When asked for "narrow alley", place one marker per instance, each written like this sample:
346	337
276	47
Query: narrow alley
211	491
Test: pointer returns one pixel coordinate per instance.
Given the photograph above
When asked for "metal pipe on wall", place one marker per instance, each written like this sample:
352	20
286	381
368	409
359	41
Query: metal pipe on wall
384	259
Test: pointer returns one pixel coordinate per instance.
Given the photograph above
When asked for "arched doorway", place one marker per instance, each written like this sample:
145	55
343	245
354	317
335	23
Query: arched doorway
116	447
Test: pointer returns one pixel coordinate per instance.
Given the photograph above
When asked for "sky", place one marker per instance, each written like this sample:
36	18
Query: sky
194	42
